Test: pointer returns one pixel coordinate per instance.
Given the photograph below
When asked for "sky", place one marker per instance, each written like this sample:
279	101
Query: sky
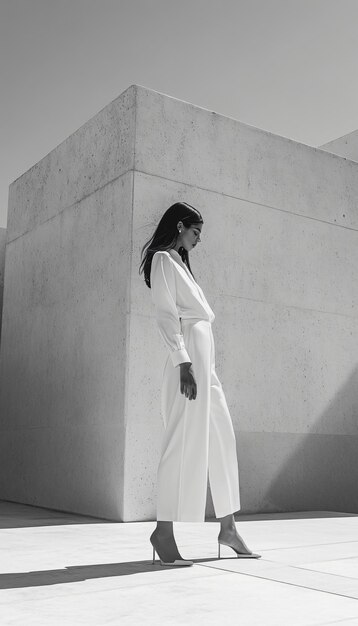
286	66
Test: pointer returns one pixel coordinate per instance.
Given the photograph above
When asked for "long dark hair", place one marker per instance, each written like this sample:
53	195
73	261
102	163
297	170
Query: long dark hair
166	234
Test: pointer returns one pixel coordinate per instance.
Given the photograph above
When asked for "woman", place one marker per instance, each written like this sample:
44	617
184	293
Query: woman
199	439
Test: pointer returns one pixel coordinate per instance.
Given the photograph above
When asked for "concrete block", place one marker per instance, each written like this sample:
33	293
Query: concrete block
345	146
98	152
81	359
63	354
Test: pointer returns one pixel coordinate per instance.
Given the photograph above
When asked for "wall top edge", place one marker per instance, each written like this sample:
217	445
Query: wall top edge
249	126
346	136
136	87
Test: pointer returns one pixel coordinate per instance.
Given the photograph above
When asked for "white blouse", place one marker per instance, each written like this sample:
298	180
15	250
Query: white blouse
176	295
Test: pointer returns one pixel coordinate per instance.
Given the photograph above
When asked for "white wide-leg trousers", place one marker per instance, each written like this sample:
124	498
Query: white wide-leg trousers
199	439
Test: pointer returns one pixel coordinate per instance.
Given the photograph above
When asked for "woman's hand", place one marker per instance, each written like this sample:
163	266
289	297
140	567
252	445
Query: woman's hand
187	380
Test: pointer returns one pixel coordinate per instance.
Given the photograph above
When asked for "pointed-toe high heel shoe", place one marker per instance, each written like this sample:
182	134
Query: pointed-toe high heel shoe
240	555
176	562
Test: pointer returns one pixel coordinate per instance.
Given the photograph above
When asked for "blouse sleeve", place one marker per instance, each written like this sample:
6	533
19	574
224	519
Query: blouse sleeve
163	288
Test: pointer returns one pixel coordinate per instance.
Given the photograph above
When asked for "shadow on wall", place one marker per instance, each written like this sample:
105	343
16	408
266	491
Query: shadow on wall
16	515
2	269
320	469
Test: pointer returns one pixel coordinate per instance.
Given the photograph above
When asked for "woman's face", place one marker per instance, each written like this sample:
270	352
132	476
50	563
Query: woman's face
190	236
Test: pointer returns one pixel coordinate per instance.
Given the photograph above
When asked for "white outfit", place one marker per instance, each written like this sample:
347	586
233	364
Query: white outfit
199	438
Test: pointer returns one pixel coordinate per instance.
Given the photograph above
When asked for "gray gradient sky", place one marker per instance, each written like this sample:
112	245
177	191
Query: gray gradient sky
287	66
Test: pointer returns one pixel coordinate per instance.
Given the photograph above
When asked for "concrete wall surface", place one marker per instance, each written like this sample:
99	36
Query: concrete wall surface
63	351
345	146
277	263
81	359
2	269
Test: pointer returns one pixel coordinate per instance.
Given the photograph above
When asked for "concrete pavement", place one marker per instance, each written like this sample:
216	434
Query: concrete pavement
66	570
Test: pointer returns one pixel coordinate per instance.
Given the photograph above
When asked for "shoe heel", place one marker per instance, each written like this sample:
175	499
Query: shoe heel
153	561
219	550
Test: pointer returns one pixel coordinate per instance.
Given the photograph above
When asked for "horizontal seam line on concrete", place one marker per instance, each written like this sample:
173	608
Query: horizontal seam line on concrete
316	571
228	195
311	545
268	302
274	433
70	206
283	582
343	621
64	426
267	206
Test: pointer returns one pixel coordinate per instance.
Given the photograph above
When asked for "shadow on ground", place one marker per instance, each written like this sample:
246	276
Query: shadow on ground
78	573
17	515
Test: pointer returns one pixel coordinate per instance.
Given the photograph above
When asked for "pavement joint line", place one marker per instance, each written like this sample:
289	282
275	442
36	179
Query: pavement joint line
278	565
332	593
337	621
308	569
218	570
310	545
